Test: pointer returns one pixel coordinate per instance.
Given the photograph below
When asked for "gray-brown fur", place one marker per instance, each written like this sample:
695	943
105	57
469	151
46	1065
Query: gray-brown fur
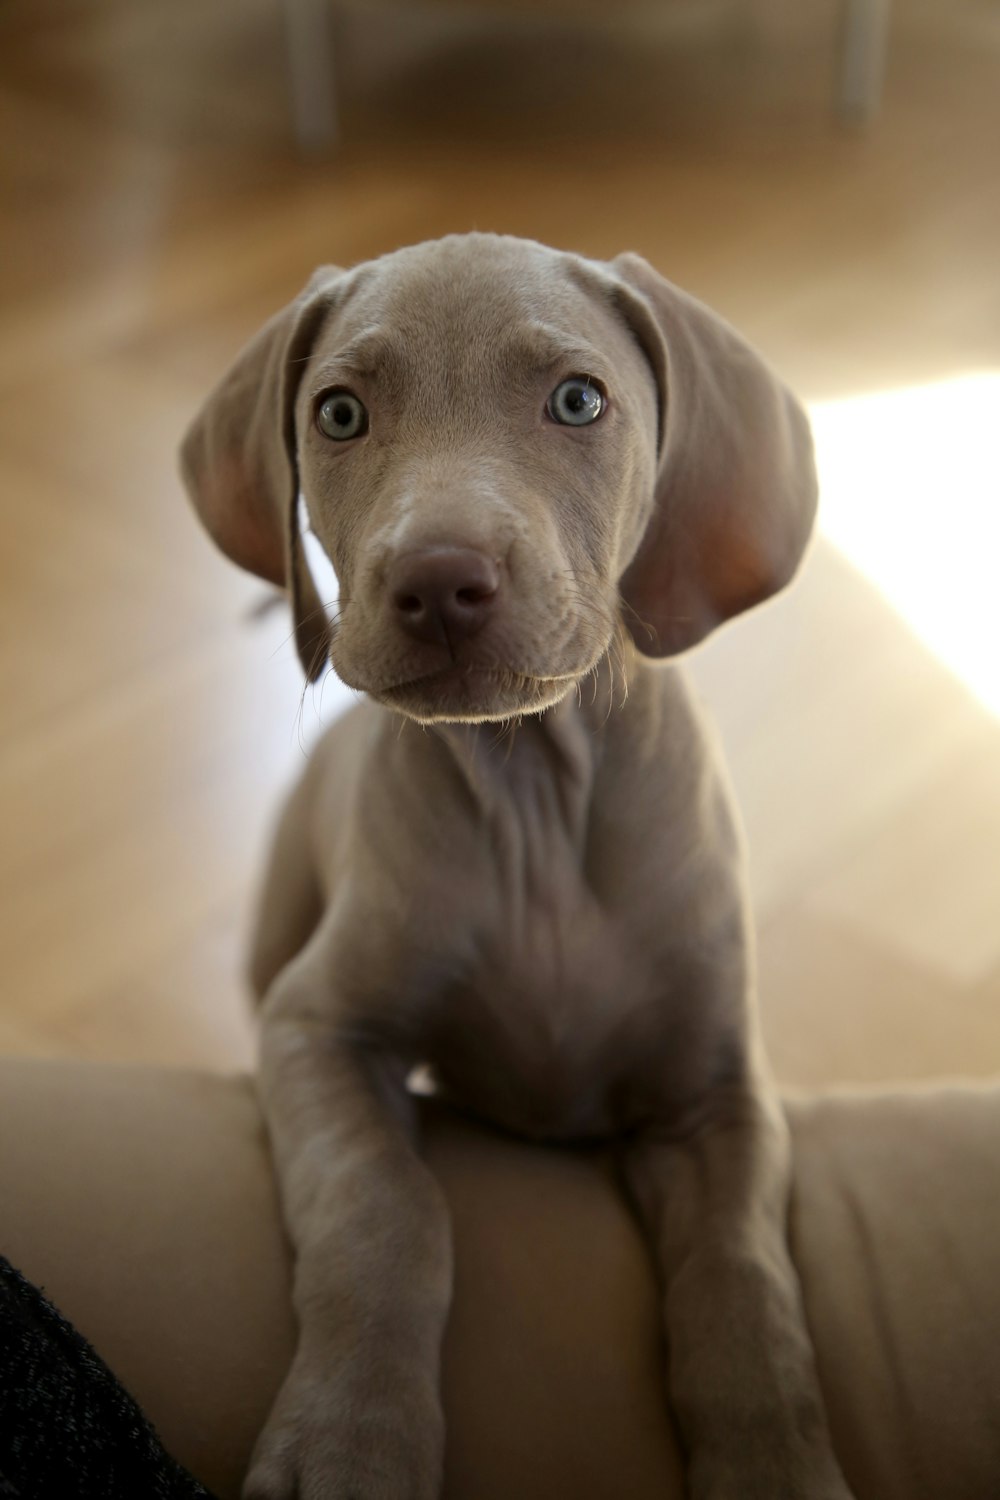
516	864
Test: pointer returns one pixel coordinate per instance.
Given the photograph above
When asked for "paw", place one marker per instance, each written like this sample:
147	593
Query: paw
760	1477
327	1439
744	1487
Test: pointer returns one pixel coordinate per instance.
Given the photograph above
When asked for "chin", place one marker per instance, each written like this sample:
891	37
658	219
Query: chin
473	696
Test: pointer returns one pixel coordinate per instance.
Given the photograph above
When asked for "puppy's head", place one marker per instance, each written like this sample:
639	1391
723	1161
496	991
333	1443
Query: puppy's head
505	451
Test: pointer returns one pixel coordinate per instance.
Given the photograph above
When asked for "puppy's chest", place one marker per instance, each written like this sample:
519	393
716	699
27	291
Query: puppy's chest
540	1026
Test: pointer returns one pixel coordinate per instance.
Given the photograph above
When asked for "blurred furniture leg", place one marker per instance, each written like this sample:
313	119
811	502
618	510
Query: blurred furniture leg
862	61
309	29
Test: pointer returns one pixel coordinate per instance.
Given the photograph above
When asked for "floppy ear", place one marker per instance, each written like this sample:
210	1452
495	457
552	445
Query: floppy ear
239	461
736	485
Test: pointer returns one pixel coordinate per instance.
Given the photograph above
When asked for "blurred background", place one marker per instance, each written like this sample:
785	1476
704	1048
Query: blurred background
159	203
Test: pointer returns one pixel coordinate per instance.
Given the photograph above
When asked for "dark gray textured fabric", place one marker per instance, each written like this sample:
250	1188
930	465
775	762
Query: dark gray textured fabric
68	1430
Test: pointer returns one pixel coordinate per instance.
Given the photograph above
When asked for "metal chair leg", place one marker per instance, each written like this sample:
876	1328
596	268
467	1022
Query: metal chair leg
862	59
309	33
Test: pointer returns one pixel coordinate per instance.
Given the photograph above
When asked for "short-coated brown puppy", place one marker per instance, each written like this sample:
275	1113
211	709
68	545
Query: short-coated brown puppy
516	863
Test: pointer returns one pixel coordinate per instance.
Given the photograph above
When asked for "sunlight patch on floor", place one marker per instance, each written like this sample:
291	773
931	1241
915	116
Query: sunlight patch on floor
910	493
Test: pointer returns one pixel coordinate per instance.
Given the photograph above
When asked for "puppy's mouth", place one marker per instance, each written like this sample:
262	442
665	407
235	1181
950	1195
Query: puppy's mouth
473	695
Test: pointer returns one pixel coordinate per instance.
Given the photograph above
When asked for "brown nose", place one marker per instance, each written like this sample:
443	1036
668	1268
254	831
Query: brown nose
443	594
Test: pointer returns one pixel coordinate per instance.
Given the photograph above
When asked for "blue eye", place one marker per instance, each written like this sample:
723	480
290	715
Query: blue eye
575	402
341	416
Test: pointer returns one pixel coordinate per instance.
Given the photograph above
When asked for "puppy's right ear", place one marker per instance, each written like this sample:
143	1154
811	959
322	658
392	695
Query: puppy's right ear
239	458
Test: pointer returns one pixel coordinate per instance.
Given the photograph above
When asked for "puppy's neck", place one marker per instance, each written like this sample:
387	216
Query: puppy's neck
552	756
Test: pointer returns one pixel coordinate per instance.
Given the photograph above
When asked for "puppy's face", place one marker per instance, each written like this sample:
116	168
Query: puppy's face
476	432
508	453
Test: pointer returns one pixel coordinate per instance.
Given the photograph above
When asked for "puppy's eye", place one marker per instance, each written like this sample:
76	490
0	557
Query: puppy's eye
341	416
576	402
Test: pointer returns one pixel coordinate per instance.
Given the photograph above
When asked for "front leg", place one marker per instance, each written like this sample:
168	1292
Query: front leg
713	1198
359	1415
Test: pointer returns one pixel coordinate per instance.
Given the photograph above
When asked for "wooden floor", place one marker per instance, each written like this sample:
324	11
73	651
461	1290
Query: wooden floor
155	211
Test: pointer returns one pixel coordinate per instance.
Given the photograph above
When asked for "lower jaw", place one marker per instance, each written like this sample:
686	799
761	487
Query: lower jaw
473	697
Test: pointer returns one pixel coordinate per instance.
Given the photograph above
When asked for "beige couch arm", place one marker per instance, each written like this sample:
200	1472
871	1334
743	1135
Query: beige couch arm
142	1201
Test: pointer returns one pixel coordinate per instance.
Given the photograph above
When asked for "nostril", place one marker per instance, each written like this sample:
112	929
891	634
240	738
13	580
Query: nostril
474	595
409	604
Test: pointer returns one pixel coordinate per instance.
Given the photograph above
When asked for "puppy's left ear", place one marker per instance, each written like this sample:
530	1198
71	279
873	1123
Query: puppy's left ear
736	484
